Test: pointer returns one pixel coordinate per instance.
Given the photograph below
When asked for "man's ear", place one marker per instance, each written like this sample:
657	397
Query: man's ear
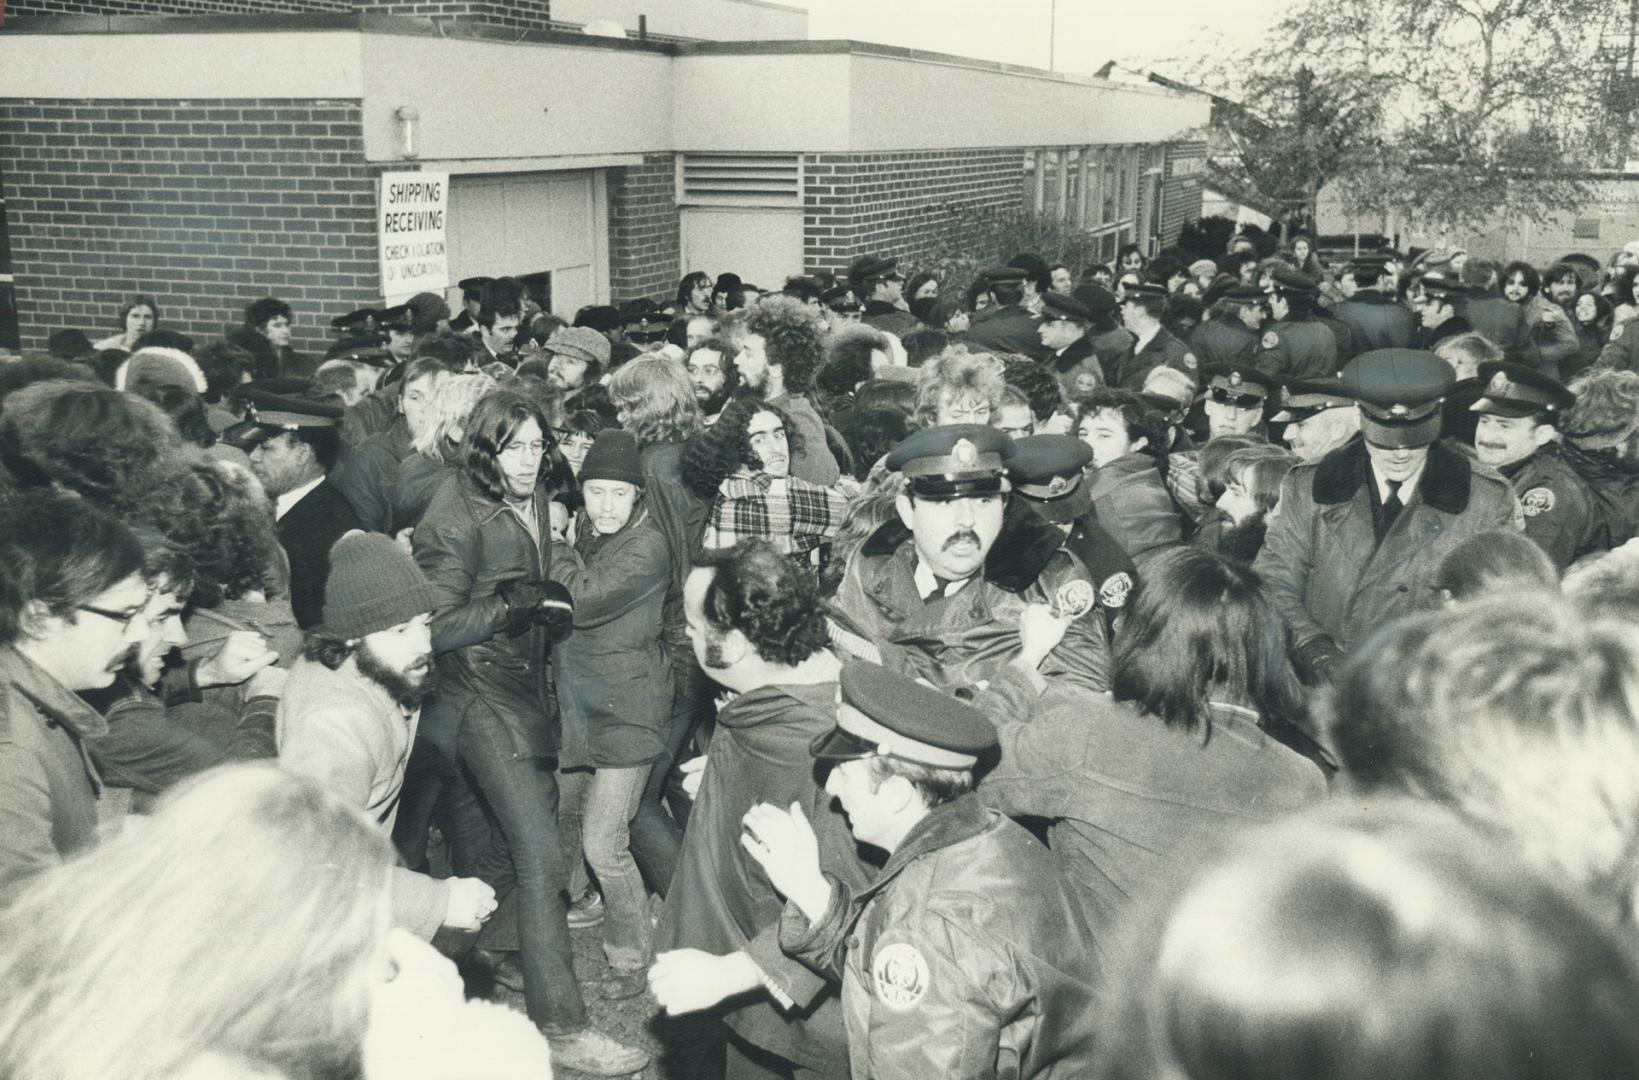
35	619
899	794
732	647
905	507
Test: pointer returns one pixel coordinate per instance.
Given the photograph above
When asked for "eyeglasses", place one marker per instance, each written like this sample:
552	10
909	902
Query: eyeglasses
533	448
705	370
125	618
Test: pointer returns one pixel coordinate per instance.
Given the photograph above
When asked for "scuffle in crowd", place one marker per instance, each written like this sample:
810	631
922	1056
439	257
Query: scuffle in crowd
1180	669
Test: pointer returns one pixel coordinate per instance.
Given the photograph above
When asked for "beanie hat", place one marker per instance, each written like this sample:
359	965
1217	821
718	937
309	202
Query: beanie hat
373	585
613	456
1203	268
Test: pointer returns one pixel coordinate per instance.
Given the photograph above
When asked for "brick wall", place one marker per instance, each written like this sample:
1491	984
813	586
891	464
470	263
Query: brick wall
205	204
510	14
644	248
1183	173
907	203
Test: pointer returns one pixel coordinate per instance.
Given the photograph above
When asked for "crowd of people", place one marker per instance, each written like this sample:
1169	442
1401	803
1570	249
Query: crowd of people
1217	668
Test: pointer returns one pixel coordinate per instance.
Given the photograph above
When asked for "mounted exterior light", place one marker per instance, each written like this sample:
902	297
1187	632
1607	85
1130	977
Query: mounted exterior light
408	118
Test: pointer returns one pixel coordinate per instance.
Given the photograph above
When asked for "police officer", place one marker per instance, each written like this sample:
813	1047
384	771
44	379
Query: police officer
879	282
1225	338
1520	411
1006	326
1048	476
398	323
294	440
1153	344
1065	331
472	298
1295	345
1236	396
1374	318
1361	532
1437	300
968	956
924	587
1319	415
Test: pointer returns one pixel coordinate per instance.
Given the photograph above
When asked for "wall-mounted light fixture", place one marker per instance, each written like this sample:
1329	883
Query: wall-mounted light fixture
408	120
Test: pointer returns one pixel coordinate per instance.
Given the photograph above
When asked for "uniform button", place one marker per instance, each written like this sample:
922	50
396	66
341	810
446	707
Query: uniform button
853	943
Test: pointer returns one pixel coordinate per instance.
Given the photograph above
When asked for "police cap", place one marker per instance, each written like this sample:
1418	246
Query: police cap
1142	289
1046	470
358	342
400	317
953	461
1246	294
1303	398
1240	385
1435	285
275	406
840	299
473	288
1000	275
1095	298
881	712
870	268
1518	390
1399	393
362	319
1291	283
1058	306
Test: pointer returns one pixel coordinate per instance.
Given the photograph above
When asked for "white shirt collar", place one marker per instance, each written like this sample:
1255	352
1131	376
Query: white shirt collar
1139	344
1407	486
282	505
927	583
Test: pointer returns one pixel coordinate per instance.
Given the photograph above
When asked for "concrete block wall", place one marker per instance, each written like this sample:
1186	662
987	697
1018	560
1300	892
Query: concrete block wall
207	205
644	246
906	203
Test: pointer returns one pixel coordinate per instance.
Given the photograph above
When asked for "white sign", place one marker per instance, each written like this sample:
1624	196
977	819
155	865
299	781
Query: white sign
414	209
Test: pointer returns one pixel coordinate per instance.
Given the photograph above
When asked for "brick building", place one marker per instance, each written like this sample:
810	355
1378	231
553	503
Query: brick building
214	151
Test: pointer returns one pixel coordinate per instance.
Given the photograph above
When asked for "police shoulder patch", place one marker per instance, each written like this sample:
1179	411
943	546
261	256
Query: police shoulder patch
1074	598
1270	339
1113	593
899	973
1539	500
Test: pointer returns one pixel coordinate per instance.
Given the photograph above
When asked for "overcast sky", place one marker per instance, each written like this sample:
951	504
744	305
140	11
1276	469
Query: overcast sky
1088	32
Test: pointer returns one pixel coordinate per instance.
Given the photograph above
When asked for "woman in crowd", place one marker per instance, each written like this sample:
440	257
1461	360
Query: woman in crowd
923	285
1128	488
1544	327
1354	946
138	315
1197	735
743	465
614	684
1591	315
483	544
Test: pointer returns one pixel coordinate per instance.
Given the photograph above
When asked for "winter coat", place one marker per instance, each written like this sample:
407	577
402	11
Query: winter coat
1297	349
419	477
1222	341
1615	487
1537	327
1132	799
1321	566
48	785
613	673
1162	350
720	900
962	639
968	957
307	532
1376	321
368	477
1010	329
1134	506
1560	512
467	544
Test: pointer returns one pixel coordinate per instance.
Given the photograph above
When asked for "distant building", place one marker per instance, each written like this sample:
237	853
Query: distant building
215	151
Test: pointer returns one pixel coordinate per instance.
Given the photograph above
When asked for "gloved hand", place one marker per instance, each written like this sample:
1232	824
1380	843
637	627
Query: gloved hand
523	600
556	612
1314	660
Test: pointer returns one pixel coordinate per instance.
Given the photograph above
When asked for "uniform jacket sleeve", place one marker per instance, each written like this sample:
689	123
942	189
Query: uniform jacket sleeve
449	553
1285	559
1083	657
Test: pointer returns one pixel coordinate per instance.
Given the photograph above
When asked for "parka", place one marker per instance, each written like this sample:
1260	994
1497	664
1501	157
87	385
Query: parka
467	544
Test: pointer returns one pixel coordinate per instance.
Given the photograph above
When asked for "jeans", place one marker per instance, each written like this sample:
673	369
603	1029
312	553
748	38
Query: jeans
523	795
598	805
656	835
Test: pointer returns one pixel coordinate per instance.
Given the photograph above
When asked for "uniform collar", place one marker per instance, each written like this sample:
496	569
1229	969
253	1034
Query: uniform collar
1445	482
285	503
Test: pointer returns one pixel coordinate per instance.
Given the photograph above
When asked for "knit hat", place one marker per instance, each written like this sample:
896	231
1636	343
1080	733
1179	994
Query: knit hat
373	585
613	456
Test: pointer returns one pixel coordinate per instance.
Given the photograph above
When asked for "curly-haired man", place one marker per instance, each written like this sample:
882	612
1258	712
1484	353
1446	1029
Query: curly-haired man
782	348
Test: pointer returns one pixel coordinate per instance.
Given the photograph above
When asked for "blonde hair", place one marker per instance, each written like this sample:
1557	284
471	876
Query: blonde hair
957	373
452	404
244	920
658	399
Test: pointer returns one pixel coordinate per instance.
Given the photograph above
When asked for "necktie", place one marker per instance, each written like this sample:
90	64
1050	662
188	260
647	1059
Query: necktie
1391	507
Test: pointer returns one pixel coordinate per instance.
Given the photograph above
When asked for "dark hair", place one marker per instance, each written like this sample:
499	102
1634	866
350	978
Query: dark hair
224	366
918	279
870	434
1495	560
1035	270
1197	629
1036	383
1602	310
229	534
802	288
1622	285
16	374
1006	293
1562	272
60	551
497	307
712	456
330	651
1533	280
792	338
890	394
139	300
455	350
164	560
494	421
326	443
185	408
848	359
259	312
686	286
936	786
1141	419
264	358
1131	249
767	597
926	342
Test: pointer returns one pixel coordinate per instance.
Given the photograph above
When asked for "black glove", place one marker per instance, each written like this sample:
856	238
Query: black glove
523	599
1314	660
556	612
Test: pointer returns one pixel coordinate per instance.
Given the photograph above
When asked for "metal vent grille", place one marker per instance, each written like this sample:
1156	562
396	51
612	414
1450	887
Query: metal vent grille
740	180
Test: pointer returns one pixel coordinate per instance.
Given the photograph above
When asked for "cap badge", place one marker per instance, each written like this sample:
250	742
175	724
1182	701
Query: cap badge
964	452
1058	485
1398	410
1270	339
1499	384
1234	378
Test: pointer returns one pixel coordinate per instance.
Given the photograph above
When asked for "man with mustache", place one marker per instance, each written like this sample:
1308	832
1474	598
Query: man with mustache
922	588
1518	435
352	702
